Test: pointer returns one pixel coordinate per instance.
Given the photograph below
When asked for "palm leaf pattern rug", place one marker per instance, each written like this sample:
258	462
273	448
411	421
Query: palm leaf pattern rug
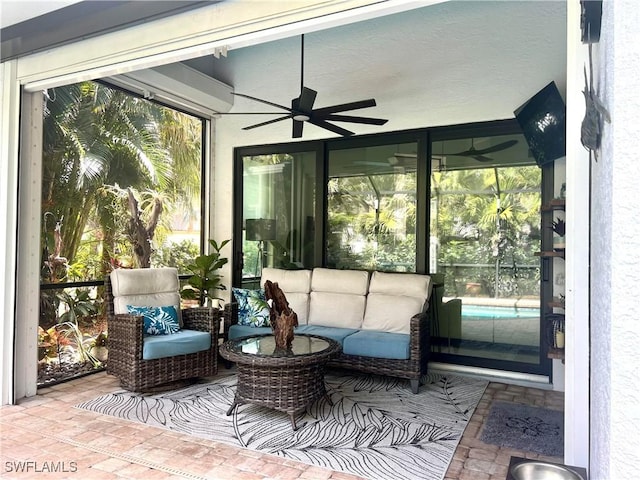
376	428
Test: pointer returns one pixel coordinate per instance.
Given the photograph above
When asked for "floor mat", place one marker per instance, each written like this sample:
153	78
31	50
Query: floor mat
376	428
523	427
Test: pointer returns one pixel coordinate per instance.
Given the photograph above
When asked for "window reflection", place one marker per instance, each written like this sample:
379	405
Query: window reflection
371	218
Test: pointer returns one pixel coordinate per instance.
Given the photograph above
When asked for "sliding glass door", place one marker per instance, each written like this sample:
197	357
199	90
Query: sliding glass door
461	203
484	232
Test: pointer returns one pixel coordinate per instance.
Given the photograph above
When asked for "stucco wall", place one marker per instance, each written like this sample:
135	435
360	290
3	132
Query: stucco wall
615	252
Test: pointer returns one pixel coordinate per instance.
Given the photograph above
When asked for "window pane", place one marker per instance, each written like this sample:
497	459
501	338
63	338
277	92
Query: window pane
278	212
372	208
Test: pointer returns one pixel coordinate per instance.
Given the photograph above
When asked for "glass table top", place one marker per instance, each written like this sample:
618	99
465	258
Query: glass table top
265	345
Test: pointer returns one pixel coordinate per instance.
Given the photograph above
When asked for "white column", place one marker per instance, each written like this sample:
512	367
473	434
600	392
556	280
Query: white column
29	249
576	443
9	131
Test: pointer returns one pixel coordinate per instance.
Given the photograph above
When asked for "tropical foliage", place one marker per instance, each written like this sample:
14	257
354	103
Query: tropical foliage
372	222
103	147
206	280
486	226
119	173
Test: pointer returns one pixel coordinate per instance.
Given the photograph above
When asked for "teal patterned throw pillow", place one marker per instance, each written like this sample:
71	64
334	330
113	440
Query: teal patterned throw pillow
157	320
253	309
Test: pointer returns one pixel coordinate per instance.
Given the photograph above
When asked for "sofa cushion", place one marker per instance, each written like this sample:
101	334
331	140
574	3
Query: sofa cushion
336	309
290	281
337	334
353	282
157	320
181	343
405	284
377	344
338	297
296	285
253	309
393	299
237	331
145	287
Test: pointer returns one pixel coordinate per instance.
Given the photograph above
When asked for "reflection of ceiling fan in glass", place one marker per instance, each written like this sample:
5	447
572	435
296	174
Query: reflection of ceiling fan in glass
479	154
399	162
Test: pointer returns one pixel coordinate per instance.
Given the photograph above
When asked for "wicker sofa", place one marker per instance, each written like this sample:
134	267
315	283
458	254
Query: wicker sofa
381	320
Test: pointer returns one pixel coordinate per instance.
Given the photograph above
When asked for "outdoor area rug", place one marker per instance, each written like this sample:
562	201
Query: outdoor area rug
376	427
523	427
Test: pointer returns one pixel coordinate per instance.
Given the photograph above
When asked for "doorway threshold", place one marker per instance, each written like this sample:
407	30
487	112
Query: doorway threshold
501	376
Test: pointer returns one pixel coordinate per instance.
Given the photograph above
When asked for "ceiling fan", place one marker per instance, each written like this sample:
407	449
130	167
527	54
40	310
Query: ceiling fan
479	154
302	110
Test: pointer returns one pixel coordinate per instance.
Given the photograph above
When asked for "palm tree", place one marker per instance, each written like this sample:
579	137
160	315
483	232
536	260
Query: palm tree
96	136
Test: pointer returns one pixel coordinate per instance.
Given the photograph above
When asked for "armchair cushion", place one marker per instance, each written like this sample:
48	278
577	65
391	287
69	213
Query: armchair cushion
145	287
183	342
157	320
253	309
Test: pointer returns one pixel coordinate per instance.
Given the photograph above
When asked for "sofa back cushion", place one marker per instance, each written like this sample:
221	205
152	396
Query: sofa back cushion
145	287
393	299
338	297
296	285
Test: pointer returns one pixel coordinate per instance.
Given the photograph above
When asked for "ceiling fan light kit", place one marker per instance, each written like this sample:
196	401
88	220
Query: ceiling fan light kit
302	110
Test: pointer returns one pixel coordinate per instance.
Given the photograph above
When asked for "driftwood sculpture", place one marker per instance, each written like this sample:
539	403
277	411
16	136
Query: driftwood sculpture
283	319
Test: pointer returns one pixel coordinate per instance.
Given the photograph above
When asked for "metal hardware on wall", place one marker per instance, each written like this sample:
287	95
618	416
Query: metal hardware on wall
595	114
590	20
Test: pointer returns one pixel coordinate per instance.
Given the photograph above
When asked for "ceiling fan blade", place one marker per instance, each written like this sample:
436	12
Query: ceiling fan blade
352	119
497	148
346	106
246	113
297	129
307	99
480	158
372	164
268	122
261	101
333	128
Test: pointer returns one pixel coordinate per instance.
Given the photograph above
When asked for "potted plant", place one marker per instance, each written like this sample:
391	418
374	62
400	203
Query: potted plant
205	280
559	227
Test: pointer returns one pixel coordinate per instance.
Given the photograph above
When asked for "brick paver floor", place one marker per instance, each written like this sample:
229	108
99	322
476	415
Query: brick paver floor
46	437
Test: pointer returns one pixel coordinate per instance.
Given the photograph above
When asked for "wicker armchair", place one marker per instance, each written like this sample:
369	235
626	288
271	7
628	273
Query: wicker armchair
154	287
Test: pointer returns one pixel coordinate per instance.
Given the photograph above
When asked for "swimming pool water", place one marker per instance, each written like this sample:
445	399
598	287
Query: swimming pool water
482	312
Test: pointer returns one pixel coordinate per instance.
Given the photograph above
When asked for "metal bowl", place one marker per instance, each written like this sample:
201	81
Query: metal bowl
543	471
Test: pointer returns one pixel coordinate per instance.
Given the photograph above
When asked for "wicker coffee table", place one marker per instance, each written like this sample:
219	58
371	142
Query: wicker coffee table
285	380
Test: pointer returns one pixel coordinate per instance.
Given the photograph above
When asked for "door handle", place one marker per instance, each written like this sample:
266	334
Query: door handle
545	269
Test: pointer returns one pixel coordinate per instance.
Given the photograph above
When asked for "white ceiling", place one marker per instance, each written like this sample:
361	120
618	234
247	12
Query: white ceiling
449	63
